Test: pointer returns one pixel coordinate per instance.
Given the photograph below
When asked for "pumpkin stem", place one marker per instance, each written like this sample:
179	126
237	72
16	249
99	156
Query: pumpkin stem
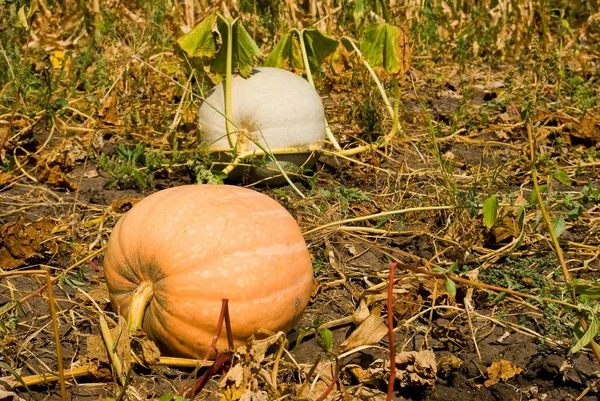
140	299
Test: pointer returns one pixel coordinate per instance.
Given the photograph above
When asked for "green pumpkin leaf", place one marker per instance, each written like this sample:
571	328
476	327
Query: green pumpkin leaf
200	43
385	45
205	47
245	51
287	53
318	46
585	290
490	211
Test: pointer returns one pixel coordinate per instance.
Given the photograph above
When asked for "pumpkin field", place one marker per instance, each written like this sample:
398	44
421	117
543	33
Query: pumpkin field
299	200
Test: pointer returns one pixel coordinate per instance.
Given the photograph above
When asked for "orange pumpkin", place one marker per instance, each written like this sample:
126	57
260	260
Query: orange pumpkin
186	248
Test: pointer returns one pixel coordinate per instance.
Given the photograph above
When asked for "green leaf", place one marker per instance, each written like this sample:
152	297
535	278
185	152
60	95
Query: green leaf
205	47
301	335
574	213
325	339
23	18
245	51
533	198
450	287
589	335
200	43
561	176
586	290
318	46
358	13
453	268
287	53
490	211
384	45
521	218
381	221
559	224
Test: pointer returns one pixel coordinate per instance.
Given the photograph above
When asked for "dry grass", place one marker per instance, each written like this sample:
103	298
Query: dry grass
417	201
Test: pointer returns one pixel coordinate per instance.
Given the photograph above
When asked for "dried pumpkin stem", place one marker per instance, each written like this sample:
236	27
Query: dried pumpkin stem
140	299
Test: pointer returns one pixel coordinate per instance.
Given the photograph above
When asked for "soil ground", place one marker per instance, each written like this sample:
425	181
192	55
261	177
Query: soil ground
65	181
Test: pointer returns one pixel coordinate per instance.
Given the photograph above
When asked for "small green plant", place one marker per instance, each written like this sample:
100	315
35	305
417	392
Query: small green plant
345	196
129	167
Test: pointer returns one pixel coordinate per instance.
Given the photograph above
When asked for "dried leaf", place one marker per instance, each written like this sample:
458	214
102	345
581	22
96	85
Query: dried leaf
145	348
325	373
416	368
54	177
361	313
20	242
373	376
370	332
501	370
9	396
123	205
96	349
5	178
505	229
120	335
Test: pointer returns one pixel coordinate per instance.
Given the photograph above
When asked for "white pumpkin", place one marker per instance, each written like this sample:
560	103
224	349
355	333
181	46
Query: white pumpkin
275	107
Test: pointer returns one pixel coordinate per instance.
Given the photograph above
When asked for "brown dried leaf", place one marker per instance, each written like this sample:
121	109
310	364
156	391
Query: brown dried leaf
54	177
373	376
257	348
416	368
5	178
588	128
370	332
325	372
98	294
361	313
505	228
449	363
9	396
20	241
123	205
145	348
120	335
501	370
96	349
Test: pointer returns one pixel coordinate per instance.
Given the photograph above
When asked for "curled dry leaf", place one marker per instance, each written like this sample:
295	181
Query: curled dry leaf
448	363
5	178
501	370
373	376
416	368
325	373
20	241
370	332
54	177
123	205
120	335
9	396
240	381
144	348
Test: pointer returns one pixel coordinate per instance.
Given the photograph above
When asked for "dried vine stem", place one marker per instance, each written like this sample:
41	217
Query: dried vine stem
390	312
